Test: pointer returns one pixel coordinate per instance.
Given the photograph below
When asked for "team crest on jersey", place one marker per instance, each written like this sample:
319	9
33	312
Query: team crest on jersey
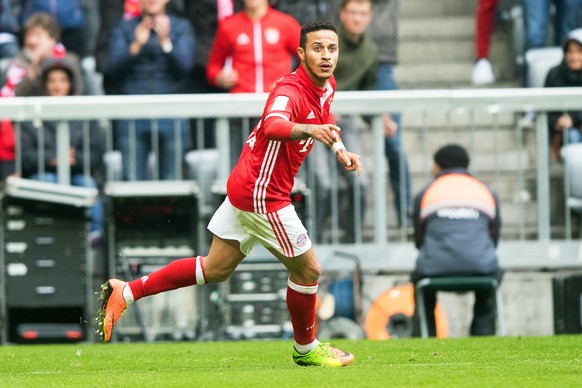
272	35
243	39
301	240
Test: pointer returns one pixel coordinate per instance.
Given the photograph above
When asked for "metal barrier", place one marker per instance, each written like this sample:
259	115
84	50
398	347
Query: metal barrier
508	157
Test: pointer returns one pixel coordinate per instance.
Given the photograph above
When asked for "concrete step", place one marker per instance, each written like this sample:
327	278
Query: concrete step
421	51
506	162
481	142
454	75
433	75
424	8
435	29
458	121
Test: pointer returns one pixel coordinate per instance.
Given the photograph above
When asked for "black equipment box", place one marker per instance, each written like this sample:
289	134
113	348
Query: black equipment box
567	292
151	223
46	280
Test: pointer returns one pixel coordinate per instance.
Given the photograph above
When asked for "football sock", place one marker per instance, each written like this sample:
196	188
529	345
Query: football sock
302	349
177	274
128	295
301	304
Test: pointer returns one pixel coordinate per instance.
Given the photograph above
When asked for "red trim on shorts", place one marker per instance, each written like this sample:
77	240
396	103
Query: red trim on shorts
281	234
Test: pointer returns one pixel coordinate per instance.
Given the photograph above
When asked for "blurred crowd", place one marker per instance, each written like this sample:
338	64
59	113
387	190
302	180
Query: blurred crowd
129	47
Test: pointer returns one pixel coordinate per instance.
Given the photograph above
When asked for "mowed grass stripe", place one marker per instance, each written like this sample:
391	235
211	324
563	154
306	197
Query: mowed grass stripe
488	361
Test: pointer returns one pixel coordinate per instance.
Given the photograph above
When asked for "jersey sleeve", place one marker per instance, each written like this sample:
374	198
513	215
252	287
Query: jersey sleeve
280	111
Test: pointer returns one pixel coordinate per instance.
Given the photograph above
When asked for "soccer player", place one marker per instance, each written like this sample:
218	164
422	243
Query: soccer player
258	206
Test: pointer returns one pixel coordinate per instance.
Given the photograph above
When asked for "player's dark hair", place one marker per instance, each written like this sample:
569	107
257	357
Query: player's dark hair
316	25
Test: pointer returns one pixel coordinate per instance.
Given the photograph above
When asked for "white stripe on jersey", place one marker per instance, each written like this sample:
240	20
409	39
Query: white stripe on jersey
264	177
280	103
281	115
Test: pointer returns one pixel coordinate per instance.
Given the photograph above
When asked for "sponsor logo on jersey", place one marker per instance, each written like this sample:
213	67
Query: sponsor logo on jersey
310	116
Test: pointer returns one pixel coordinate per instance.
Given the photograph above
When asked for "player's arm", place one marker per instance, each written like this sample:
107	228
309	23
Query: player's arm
328	134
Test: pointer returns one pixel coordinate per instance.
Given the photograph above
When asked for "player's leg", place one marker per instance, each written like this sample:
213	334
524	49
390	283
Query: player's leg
301	300
223	257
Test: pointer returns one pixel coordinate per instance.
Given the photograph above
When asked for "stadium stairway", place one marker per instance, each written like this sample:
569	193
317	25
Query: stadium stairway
436	51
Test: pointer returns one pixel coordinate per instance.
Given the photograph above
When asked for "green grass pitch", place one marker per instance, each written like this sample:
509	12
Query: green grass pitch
553	361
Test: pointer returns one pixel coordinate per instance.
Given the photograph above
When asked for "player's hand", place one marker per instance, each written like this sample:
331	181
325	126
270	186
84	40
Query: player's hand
325	133
350	161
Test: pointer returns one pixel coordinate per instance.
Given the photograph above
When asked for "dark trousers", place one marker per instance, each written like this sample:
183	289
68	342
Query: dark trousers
484	311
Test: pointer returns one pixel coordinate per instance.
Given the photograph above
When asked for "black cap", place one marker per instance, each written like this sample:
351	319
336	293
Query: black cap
451	156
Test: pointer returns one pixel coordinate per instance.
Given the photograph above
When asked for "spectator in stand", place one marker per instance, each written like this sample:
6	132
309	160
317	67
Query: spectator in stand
484	20
7	167
111	13
9	48
383	29
41	41
457	226
567	74
355	71
9	29
304	11
536	14
58	80
205	16
257	27
70	16
151	54
252	50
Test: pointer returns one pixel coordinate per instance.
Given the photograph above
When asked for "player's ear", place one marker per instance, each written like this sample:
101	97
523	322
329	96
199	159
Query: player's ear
301	53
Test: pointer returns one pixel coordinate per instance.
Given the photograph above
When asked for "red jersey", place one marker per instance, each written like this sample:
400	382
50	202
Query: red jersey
263	178
261	50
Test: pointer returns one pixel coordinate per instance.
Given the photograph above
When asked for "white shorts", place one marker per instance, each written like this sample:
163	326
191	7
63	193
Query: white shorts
281	230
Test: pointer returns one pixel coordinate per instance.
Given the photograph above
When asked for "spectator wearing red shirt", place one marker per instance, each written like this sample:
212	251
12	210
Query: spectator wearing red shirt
251	51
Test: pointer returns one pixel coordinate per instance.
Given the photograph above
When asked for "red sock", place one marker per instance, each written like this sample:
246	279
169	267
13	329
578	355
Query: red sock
177	274
301	305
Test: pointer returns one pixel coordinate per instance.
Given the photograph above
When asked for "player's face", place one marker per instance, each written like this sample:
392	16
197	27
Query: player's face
320	55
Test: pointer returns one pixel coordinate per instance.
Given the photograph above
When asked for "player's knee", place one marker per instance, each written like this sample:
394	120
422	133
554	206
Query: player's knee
307	274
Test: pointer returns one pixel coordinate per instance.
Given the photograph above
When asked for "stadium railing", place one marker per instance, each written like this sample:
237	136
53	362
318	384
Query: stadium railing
512	159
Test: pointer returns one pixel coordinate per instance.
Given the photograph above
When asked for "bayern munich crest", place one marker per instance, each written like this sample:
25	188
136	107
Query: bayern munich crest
301	240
